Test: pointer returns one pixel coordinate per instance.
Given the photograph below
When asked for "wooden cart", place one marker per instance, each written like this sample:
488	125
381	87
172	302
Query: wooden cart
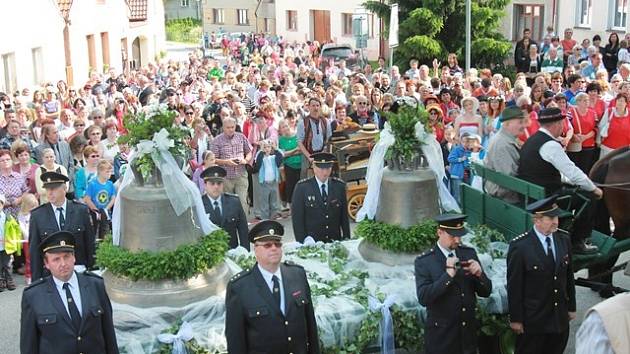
352	155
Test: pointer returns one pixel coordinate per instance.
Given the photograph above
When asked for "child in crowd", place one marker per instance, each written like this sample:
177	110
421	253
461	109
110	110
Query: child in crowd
209	160
100	196
29	202
267	167
6	280
459	161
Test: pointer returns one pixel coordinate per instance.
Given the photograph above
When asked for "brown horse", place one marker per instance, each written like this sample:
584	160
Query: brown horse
612	170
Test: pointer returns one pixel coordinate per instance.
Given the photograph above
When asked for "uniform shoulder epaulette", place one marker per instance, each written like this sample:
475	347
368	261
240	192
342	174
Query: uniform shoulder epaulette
519	237
303	180
35	283
90	274
230	194
465	247
291	263
239	275
426	253
338	180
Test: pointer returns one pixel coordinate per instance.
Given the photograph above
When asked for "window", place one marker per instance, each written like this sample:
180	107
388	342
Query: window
584	13
218	16
185	3
241	15
38	65
268	25
528	16
619	14
371	25
105	48
8	68
292	20
346	25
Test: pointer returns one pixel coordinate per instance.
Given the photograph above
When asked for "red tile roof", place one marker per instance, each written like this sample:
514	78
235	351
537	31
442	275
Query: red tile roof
137	10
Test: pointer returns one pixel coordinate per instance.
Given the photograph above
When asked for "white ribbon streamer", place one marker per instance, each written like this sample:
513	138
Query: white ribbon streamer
184	334
386	334
181	191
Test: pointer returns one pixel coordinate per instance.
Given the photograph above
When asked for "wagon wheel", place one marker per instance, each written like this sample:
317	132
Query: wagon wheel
354	204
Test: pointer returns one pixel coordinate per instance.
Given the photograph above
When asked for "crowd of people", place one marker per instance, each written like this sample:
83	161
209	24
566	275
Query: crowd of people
262	118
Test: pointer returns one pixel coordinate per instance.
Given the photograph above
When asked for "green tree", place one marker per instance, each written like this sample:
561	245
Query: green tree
431	29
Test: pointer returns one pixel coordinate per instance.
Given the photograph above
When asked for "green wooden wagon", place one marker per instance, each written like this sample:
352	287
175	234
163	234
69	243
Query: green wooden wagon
513	220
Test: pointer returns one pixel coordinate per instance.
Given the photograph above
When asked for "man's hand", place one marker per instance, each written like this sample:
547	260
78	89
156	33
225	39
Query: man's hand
242	162
599	194
450	266
572	316
230	163
473	267
517	327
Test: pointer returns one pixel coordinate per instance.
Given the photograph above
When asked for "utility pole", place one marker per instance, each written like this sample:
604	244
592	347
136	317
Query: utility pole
468	34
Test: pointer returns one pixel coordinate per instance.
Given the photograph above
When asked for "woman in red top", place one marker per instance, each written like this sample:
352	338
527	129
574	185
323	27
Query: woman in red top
595	102
436	121
584	122
614	128
531	118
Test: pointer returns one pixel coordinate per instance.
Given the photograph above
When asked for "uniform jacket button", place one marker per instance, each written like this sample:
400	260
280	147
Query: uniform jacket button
289	339
79	338
286	323
464	323
463	309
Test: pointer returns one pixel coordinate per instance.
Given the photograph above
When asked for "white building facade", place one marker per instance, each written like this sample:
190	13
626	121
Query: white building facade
325	20
47	41
586	17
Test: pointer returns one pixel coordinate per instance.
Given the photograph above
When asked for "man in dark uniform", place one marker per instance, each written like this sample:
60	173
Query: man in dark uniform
543	161
66	312
448	280
319	205
268	309
540	285
61	214
224	209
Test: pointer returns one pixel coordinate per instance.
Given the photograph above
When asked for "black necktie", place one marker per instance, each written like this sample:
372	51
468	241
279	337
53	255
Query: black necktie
276	290
450	255
324	194
62	219
217	210
72	308
549	251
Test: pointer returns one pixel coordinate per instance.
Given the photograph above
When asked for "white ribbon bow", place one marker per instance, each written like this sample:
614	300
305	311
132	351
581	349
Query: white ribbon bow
160	142
184	334
386	333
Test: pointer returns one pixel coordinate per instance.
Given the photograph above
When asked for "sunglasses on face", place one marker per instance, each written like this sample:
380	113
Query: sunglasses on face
94	156
268	245
190	113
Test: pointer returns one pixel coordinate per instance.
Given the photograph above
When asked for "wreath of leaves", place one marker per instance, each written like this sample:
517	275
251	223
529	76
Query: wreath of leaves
414	239
184	262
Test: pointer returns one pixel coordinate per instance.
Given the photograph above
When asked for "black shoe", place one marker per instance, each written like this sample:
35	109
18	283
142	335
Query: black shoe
3	285
584	248
10	283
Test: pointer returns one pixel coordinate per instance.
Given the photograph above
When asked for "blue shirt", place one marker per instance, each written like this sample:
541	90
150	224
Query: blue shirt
542	238
100	193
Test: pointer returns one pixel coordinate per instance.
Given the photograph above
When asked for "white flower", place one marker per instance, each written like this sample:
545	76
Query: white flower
161	140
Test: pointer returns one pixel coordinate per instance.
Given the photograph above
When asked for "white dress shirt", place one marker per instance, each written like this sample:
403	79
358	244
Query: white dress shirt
65	211
542	238
553	153
319	185
445	251
74	290
218	200
268	280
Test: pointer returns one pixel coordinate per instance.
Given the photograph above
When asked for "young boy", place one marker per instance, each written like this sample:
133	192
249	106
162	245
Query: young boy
268	160
100	197
459	161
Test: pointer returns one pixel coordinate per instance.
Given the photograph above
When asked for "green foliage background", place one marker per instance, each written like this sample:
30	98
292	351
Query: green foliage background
186	30
415	239
431	29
